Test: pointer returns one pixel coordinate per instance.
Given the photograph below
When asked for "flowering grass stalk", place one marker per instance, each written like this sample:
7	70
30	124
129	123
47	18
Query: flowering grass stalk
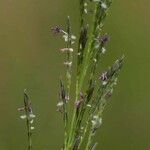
29	117
81	125
92	91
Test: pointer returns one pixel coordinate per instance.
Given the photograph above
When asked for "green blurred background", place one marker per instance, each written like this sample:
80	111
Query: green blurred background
29	59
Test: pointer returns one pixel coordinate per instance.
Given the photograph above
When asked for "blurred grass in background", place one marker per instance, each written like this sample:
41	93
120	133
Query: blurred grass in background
29	58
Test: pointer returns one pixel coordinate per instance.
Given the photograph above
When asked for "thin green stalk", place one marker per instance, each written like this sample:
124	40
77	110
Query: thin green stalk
69	58
65	125
68	80
64	111
81	12
29	134
89	141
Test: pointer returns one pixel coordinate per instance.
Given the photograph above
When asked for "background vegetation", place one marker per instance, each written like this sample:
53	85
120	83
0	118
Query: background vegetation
29	59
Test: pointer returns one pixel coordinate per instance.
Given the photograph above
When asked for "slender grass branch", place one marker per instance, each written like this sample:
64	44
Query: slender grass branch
29	116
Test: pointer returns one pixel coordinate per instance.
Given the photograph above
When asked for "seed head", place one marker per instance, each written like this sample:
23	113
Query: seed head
78	103
103	5
103	76
68	64
96	122
56	30
66	50
105	38
103	50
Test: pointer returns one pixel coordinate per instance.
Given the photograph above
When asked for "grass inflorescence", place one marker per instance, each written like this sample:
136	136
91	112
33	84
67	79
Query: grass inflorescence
92	90
90	100
29	117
